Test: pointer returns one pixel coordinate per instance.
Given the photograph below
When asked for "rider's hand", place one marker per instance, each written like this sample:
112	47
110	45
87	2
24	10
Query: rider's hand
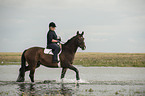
55	41
59	38
58	41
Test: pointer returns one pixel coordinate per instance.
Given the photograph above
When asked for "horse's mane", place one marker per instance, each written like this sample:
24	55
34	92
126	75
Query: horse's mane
70	40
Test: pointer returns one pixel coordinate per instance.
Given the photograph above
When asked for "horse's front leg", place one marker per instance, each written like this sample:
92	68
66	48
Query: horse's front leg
77	74
63	73
76	70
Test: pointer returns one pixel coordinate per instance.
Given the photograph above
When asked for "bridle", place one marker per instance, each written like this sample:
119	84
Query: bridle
79	43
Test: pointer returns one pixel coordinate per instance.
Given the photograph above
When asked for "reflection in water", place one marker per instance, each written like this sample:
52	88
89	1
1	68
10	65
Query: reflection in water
105	88
65	90
22	87
45	89
26	89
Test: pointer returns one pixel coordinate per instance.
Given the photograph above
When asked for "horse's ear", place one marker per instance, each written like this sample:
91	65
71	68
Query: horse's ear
77	32
82	33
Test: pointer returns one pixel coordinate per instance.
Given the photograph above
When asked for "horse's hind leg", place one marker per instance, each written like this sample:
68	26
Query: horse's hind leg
27	68
31	66
31	75
21	77
38	64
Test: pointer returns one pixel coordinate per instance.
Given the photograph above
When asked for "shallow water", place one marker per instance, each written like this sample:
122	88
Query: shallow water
100	81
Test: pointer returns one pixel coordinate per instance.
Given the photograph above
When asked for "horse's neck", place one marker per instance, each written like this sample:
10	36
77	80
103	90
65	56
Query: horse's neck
71	47
69	51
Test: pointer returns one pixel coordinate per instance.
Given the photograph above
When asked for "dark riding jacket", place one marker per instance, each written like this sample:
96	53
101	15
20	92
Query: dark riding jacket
51	35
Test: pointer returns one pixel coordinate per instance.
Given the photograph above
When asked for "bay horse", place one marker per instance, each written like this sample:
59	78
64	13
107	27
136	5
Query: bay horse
35	56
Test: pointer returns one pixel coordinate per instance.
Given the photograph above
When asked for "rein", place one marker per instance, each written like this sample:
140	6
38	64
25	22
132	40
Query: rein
61	42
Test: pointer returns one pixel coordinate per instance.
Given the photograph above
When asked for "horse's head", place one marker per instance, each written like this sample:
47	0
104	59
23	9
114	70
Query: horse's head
80	40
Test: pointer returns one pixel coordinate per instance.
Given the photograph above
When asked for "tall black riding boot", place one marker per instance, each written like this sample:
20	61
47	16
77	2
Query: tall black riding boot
55	59
56	50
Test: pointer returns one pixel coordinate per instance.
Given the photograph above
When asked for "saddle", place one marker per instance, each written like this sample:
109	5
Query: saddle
48	51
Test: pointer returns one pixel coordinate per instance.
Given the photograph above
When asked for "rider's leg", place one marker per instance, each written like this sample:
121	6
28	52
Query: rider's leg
56	50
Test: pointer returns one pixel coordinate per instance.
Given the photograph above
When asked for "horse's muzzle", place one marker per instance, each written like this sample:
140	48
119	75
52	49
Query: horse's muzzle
83	48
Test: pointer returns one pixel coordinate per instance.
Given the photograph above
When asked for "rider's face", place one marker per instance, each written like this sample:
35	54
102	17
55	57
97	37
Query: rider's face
52	28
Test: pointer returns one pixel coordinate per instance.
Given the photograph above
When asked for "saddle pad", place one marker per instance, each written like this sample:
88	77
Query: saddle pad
48	51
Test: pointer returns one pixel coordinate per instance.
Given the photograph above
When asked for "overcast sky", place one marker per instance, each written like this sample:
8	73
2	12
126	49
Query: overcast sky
109	25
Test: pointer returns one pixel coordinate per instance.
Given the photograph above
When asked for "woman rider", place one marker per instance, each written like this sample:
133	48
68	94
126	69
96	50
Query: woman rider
52	41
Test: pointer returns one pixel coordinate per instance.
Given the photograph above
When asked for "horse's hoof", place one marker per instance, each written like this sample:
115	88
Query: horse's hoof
32	81
77	83
20	79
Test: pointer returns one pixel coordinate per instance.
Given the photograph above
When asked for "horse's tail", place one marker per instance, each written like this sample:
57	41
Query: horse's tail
23	63
22	69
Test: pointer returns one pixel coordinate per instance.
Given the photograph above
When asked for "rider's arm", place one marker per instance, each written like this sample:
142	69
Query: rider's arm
49	37
54	41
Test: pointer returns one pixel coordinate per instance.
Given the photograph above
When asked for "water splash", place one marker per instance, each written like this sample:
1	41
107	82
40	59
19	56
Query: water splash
66	80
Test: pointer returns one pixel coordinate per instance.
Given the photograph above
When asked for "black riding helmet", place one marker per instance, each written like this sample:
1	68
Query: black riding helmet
52	24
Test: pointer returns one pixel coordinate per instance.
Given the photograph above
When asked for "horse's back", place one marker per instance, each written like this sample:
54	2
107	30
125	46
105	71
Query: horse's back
35	54
34	50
